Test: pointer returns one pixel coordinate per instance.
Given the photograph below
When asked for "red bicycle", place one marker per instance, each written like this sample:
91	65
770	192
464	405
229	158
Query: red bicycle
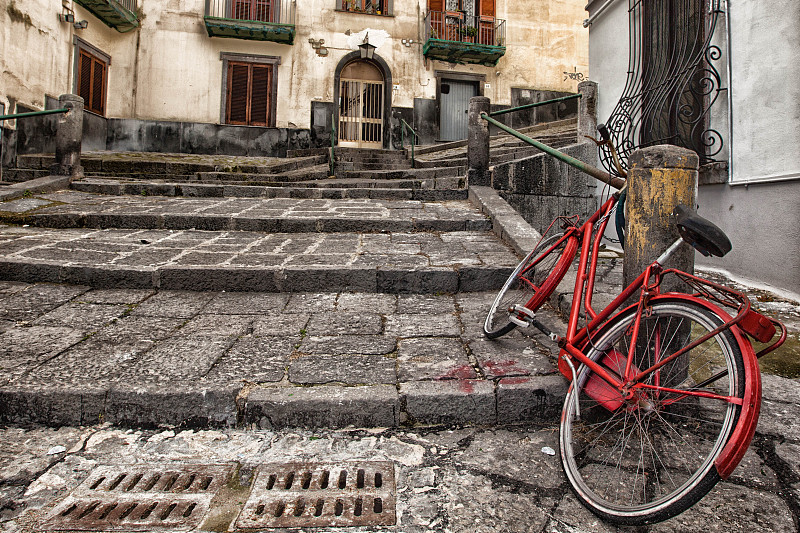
665	393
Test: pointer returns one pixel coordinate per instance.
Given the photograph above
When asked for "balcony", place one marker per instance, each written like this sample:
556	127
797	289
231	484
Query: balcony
455	37
117	14
254	20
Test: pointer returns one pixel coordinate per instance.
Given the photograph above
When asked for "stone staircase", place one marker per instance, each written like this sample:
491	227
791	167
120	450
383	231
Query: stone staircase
198	291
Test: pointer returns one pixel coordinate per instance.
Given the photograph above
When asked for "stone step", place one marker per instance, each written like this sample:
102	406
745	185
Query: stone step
82	210
429	190
410	261
410	173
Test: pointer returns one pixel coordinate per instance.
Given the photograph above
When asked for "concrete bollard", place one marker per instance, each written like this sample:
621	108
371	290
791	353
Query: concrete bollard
69	134
587	110
660	178
478	143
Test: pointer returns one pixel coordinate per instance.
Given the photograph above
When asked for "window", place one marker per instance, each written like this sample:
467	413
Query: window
91	79
371	7
248	98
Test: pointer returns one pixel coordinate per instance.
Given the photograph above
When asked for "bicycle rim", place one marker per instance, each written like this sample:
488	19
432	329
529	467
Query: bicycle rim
648	458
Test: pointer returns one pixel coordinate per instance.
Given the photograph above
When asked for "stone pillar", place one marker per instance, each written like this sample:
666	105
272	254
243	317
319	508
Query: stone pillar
660	178
478	143
69	134
587	110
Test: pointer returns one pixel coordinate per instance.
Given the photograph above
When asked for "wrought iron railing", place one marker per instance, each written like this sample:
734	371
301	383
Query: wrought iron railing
460	27
267	11
672	80
130	5
369	7
414	137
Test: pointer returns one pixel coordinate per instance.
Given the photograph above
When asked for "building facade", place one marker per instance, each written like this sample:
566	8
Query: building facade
356	65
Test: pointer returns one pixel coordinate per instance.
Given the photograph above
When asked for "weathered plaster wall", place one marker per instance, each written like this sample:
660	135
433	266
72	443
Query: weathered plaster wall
170	69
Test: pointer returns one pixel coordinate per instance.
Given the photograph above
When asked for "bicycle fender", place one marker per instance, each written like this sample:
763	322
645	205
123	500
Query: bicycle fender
742	434
751	408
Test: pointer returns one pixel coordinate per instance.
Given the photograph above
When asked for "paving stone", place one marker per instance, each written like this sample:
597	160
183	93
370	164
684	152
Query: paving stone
507	357
53	403
217	326
192	405
178	359
406	325
323	406
280	324
175	304
255	360
37	300
497	453
383	304
82	316
339	323
526	399
348	345
449	401
346	369
239	303
25	346
116	296
425	358
425	304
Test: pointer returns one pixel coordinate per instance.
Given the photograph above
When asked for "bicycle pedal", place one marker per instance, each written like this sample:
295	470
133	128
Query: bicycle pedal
523	321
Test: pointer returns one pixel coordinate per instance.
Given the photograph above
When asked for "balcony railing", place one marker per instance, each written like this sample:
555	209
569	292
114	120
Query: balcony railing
458	38
118	14
257	20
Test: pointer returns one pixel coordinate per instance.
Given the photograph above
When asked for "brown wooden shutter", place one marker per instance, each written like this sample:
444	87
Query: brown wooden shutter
435	5
487	8
92	82
238	78
249	95
259	91
98	86
85	77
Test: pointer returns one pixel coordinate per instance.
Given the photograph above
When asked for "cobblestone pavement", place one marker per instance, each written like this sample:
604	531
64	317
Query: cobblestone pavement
72	355
447	480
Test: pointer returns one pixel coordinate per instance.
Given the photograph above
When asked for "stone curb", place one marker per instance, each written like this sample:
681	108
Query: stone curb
220	405
34	186
261	279
506	222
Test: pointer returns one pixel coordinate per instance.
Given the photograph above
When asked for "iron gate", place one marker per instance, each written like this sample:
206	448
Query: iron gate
361	113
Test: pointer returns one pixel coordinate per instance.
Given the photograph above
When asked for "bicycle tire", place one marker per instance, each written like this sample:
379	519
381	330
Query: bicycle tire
543	268
641	461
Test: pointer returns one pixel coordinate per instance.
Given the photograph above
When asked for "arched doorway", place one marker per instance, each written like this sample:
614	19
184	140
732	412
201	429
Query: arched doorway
361	105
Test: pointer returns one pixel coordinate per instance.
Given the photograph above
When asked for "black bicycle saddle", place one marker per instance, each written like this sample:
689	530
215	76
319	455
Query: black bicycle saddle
706	237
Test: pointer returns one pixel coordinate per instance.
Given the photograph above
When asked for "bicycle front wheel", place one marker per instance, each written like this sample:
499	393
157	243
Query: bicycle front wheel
649	456
534	279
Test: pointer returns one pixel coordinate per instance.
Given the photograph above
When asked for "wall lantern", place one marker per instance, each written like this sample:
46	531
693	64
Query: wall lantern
367	50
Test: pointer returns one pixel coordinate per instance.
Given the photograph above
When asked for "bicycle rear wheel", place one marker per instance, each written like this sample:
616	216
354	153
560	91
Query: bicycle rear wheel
534	279
646	458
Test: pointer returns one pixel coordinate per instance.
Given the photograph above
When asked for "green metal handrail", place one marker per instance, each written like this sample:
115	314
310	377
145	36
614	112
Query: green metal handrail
34	113
593	171
403	126
535	104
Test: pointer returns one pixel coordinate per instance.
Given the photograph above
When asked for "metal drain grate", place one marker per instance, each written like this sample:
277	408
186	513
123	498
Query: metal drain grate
140	498
321	494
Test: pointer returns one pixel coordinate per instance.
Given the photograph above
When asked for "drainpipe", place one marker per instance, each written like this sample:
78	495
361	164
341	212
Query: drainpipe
730	89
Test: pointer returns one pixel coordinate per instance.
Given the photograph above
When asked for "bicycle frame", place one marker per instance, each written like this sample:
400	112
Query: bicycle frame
745	322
